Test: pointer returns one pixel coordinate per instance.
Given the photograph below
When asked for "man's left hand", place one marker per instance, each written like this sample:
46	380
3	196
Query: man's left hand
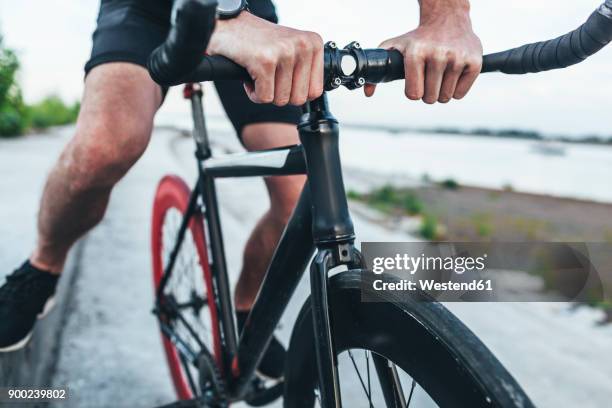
442	57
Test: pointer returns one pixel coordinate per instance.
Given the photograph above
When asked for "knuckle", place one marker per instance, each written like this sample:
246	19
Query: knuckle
440	56
418	51
472	62
285	51
303	43
316	40
452	59
475	64
267	61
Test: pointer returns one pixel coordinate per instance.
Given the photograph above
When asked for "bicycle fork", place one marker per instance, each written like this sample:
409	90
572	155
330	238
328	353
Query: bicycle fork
332	231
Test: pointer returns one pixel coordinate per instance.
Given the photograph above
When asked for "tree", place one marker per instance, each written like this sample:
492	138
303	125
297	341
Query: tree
12	109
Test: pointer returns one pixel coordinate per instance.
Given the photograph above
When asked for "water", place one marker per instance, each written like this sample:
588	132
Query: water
583	172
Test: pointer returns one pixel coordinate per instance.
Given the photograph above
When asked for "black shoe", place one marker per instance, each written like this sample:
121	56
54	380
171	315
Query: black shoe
26	296
272	365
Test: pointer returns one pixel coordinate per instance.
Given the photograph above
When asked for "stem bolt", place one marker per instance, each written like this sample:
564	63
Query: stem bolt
337	82
332	45
356	45
360	81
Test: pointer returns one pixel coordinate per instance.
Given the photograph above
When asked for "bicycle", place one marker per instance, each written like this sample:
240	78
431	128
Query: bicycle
210	365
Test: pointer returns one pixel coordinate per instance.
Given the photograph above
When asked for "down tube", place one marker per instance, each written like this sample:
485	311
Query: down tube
288	264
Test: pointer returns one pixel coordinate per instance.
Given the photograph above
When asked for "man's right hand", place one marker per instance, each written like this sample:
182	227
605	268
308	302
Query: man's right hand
286	65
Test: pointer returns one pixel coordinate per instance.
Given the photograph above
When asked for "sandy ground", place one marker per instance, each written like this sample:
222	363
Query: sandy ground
517	216
111	353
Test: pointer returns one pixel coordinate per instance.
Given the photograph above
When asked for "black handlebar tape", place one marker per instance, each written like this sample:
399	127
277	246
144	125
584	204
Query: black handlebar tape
560	52
384	65
194	22
217	68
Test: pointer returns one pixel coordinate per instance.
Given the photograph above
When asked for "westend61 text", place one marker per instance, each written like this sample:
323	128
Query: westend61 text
432	285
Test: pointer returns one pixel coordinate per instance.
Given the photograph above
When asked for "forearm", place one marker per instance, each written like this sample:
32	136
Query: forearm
435	10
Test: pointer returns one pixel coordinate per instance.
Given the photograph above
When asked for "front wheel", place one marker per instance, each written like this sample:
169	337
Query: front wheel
399	352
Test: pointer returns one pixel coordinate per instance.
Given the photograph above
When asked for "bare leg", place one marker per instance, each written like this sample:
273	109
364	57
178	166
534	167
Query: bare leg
284	192
112	132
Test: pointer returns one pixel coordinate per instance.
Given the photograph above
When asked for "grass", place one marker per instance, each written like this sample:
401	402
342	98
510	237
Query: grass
397	201
52	111
390	199
429	227
482	225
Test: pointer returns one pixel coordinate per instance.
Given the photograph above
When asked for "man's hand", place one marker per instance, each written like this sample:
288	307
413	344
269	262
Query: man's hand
286	65
443	56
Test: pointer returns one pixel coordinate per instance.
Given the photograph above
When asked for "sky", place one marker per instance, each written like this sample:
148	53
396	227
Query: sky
53	40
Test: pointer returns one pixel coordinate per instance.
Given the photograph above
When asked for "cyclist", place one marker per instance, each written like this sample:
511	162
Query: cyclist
442	60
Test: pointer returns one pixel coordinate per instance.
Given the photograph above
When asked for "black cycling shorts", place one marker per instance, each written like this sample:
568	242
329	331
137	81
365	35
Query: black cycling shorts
128	30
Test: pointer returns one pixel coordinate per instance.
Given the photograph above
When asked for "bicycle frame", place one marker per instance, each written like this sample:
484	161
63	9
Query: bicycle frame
320	221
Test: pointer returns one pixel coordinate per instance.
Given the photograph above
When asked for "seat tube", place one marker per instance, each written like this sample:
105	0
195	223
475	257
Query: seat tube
332	230
194	92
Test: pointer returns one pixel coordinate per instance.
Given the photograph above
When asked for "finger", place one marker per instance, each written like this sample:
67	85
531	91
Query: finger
414	69
466	81
301	76
315	88
283	80
449	83
434	73
469	75
369	90
263	81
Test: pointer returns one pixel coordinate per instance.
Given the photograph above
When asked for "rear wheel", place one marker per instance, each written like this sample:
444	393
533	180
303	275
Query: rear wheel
191	314
398	352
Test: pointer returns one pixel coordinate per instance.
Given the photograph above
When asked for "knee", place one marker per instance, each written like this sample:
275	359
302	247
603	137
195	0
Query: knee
101	153
284	194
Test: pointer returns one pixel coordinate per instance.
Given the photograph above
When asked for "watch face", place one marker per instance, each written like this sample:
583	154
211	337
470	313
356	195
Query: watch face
229	6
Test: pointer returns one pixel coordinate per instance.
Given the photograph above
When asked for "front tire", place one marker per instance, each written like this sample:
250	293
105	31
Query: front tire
435	351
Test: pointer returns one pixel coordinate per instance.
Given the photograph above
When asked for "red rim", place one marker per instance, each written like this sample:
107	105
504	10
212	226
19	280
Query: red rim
173	192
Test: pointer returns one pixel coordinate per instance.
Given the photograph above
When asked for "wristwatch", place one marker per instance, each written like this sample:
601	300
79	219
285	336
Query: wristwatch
231	8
